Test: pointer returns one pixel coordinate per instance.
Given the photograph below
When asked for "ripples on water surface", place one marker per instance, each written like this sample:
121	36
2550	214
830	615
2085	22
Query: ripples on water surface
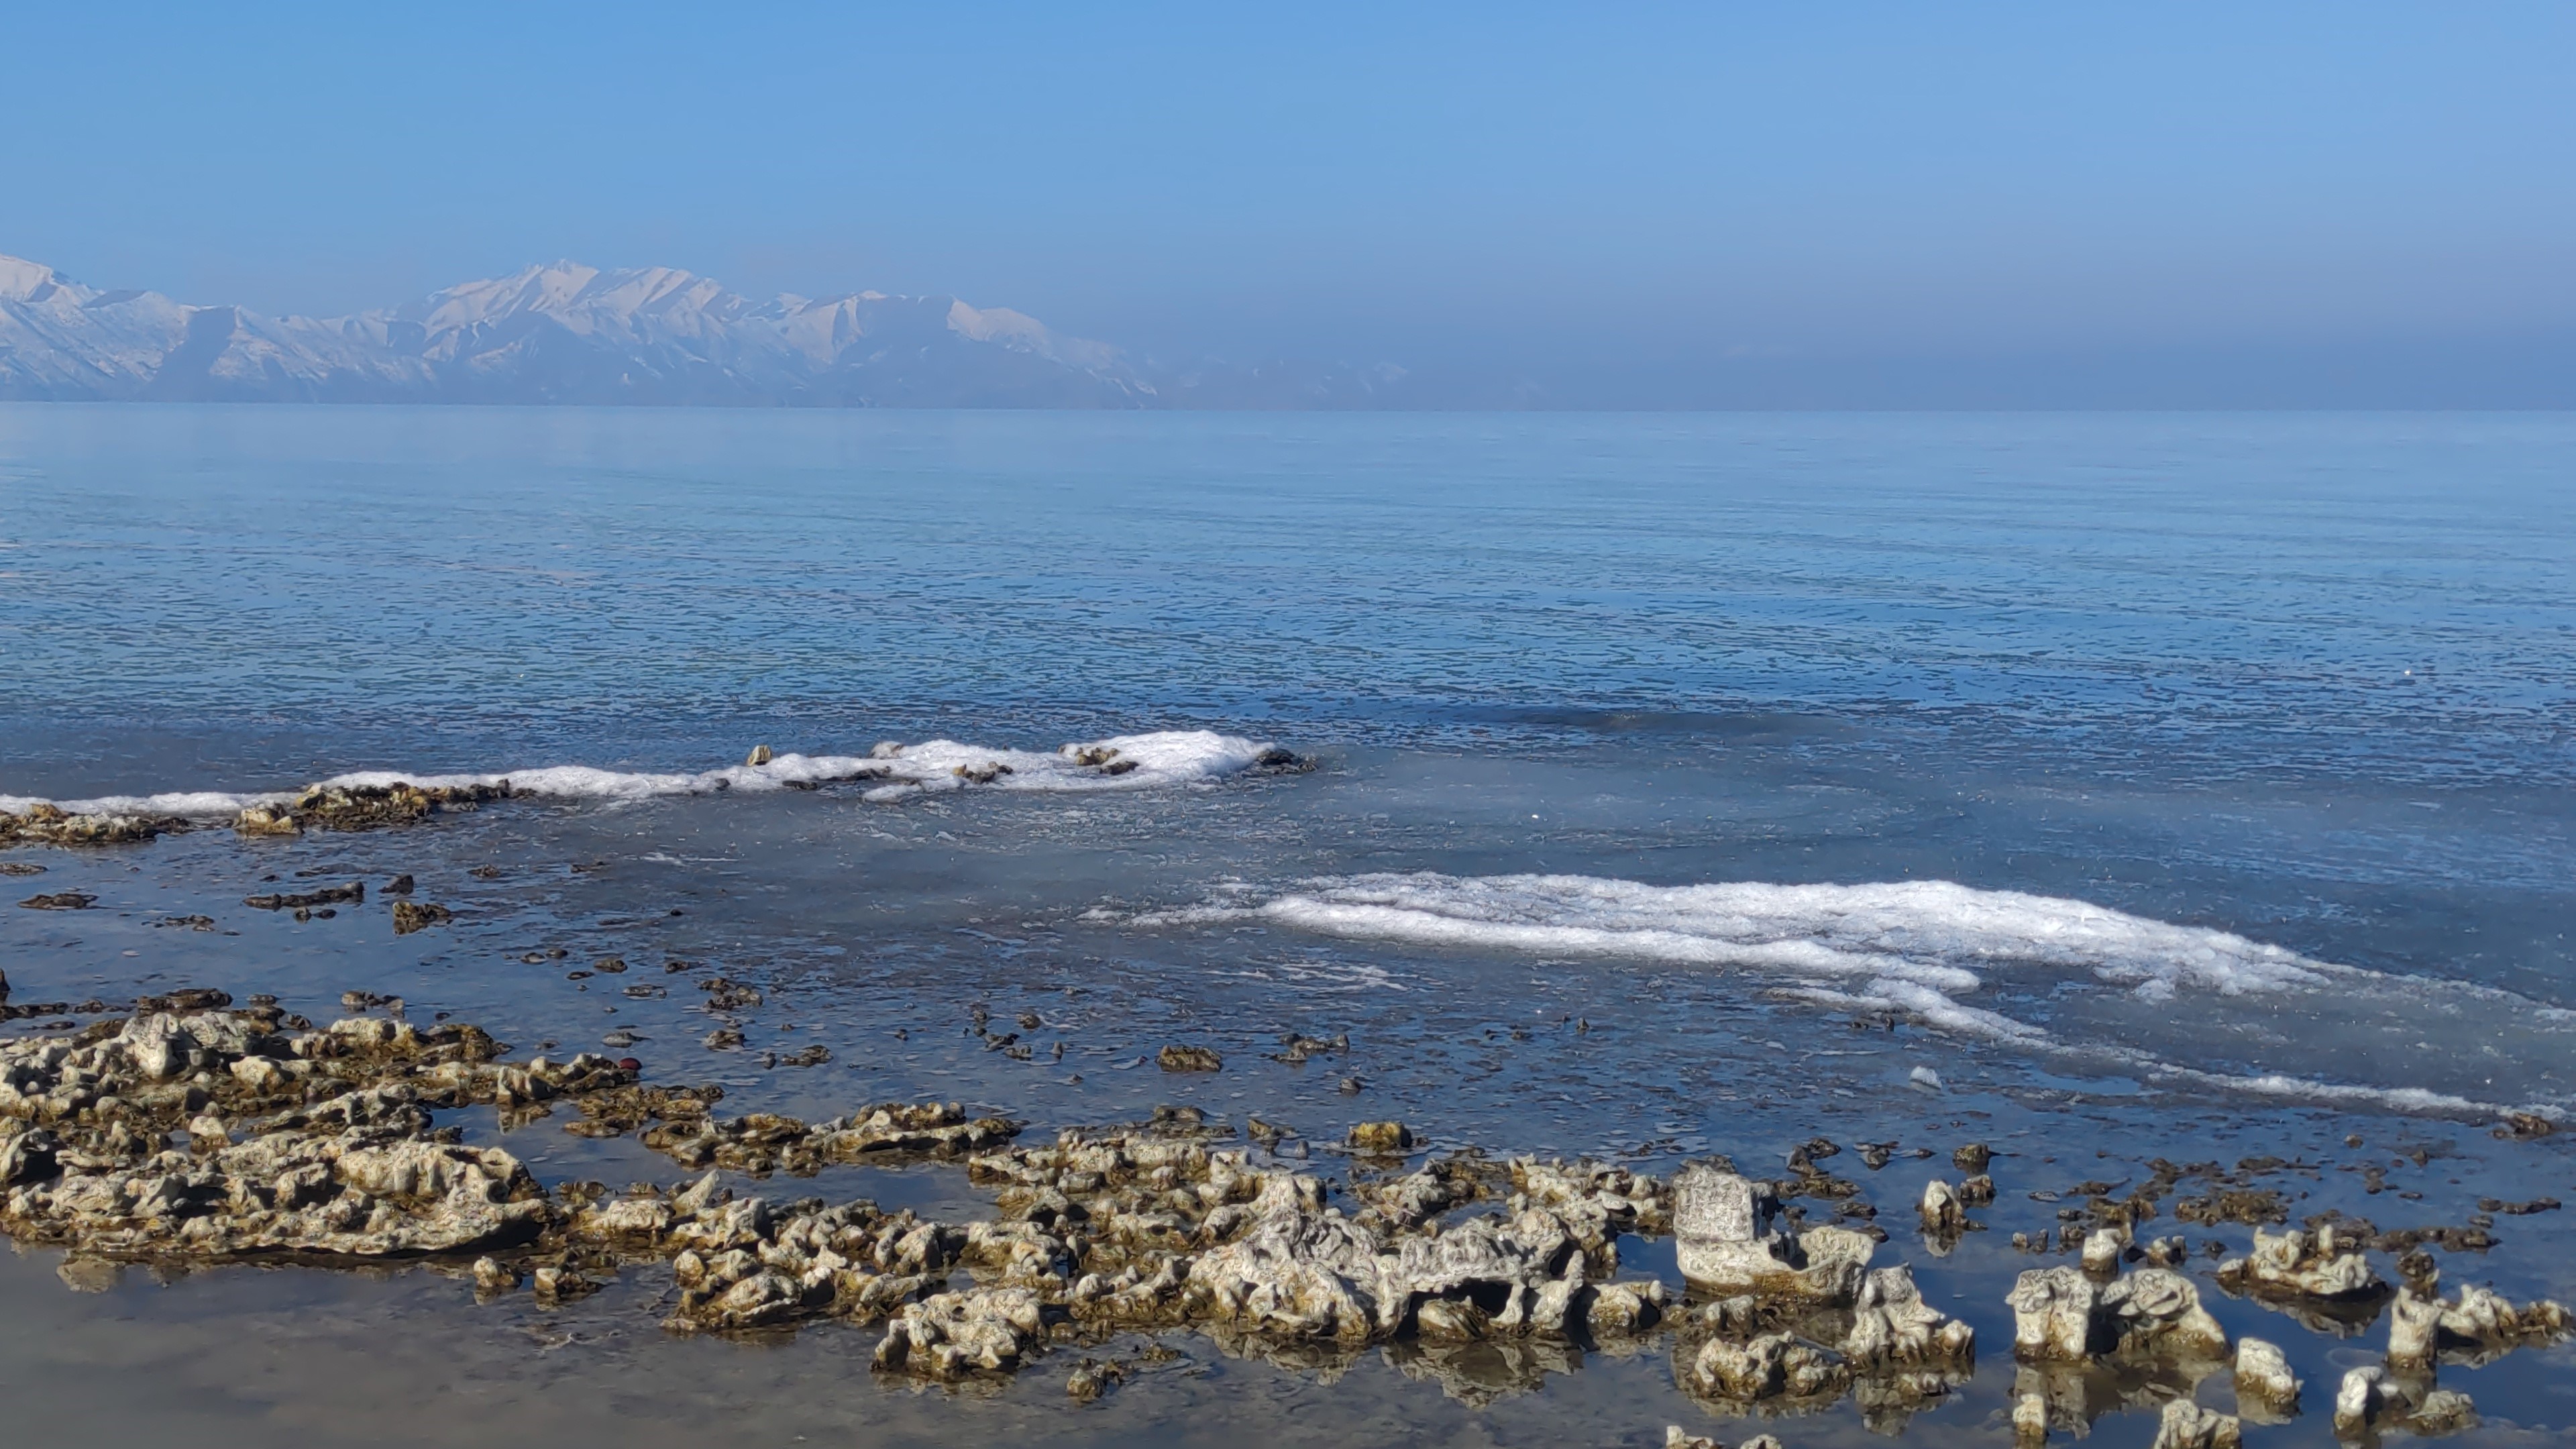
2196	785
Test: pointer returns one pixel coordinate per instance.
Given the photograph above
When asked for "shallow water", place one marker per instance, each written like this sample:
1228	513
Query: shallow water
2140	785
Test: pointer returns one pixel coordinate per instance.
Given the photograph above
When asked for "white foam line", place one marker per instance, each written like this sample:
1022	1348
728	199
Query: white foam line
1948	1016
1171	757
2417	1100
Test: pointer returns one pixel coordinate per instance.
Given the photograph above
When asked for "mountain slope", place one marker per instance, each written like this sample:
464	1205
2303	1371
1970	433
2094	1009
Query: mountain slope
556	334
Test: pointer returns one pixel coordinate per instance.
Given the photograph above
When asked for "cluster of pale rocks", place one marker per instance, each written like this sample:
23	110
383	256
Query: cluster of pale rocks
2069	1320
223	1134
315	807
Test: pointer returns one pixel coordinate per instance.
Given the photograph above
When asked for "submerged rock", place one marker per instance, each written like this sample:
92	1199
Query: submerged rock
355	891
2443	1411
1417	1197
411	916
2186	1425
763	1142
2030	1420
1092	1378
1380	1137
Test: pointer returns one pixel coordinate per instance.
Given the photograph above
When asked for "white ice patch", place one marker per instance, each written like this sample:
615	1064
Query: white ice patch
191	804
1126	762
1921	949
1902	938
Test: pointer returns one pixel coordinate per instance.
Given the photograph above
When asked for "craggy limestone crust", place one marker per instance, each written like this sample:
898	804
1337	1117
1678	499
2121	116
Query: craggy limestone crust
2186	1425
47	824
192	1132
2063	1315
335	1155
364	807
2372	1398
2477	1327
316	807
2299	1264
2266	1390
764	1142
1727	1244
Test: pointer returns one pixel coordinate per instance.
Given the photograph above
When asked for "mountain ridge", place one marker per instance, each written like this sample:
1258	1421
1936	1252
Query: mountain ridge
569	333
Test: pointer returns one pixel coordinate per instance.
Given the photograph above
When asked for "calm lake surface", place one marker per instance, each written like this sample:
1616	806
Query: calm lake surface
2123	784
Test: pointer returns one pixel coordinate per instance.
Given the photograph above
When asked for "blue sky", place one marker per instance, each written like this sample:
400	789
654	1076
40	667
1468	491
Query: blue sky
1627	194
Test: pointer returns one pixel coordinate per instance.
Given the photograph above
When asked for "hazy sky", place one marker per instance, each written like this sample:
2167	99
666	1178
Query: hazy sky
1616	195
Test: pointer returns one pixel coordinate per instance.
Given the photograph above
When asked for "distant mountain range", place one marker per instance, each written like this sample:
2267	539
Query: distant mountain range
568	333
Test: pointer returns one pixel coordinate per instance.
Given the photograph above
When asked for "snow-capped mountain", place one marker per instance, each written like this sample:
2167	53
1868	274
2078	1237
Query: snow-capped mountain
555	334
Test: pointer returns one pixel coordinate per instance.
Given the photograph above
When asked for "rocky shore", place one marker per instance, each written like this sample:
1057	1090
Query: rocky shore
196	1131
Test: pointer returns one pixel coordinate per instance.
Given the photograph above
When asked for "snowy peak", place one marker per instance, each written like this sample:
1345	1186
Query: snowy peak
1016	330
22	280
566	332
582	298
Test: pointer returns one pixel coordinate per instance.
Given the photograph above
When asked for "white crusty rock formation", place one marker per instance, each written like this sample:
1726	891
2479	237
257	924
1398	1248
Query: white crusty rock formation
2479	1324
2062	1315
2302	1264
1893	1327
2266	1389
2186	1425
333	1153
1726	1244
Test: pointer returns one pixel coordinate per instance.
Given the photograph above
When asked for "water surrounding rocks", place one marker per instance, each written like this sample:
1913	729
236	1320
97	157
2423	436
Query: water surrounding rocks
195	1132
188	1133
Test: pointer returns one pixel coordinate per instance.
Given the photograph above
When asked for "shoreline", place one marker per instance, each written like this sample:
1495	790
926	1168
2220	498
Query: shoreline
1058	1277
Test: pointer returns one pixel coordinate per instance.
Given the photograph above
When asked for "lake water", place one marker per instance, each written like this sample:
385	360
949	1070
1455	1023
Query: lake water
2130	783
